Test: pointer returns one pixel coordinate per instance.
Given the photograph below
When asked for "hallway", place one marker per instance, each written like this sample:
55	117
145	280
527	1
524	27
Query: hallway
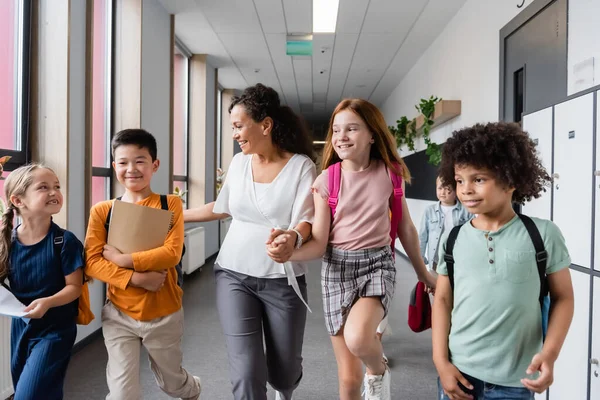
413	374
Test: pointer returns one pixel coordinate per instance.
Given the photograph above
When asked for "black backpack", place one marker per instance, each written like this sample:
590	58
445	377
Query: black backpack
541	256
164	204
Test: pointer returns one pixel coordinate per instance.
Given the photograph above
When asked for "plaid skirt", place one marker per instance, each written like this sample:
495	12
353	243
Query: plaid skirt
347	275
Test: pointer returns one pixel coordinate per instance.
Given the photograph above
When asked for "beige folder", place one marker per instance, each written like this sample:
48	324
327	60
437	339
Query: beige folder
136	228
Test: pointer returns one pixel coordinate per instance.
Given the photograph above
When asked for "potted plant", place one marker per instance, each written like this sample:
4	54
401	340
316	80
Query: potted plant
3	161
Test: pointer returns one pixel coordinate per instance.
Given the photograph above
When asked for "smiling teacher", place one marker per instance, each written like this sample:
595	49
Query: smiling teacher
267	186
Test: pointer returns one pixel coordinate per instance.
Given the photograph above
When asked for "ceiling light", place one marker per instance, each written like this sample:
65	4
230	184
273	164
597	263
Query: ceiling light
325	15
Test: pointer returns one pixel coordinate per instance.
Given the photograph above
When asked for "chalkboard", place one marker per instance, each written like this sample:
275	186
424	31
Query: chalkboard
423	177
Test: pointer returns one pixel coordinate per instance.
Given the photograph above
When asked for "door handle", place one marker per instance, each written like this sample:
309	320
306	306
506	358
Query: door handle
594	361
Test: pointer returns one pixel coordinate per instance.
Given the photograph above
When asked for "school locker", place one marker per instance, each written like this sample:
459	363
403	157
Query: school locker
571	367
597	188
595	354
539	127
573	171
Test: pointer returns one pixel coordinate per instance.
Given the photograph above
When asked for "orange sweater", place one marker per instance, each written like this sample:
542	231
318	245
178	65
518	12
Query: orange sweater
138	303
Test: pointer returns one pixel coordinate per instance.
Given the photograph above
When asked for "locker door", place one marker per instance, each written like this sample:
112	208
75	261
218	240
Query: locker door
597	188
571	367
595	358
539	127
573	152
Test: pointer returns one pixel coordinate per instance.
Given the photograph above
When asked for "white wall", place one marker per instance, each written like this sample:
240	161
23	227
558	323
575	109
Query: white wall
584	47
156	84
461	64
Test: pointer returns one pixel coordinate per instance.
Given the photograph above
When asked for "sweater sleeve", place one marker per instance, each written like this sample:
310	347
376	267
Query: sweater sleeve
96	266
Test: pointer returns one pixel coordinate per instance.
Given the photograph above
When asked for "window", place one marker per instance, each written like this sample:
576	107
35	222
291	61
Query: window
14	81
180	120
101	100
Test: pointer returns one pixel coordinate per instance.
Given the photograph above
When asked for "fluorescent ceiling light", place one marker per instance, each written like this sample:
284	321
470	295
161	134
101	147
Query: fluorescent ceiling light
325	15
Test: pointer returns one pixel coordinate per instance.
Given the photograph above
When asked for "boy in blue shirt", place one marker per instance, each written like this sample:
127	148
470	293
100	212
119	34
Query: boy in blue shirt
487	328
439	219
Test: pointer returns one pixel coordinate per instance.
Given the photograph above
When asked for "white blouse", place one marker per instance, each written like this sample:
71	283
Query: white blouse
283	203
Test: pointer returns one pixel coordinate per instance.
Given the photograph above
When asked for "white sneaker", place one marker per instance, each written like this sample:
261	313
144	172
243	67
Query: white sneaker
378	387
278	396
384	328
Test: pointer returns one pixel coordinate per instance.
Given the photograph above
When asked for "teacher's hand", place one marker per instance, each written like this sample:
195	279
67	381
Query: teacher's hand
276	233
280	245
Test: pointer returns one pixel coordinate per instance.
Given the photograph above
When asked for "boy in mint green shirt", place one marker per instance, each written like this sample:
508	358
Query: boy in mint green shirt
487	331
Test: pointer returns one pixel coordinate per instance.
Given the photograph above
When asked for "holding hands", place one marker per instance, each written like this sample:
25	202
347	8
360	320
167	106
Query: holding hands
281	244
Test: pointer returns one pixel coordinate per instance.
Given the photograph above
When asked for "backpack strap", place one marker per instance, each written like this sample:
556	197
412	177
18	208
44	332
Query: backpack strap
334	172
164	203
541	255
59	240
108	216
448	256
396	204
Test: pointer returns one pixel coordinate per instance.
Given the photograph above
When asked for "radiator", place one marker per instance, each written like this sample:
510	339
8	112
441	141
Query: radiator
194	250
6	388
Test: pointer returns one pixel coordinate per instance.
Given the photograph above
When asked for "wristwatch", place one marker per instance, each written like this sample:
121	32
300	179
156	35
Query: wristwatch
299	238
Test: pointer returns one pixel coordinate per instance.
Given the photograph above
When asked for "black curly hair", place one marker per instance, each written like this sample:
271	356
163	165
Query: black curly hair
502	148
289	131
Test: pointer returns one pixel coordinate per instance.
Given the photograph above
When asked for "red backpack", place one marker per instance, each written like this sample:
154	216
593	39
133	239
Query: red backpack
335	176
419	309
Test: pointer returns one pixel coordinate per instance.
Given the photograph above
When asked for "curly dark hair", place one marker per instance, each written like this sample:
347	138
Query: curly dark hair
289	131
502	148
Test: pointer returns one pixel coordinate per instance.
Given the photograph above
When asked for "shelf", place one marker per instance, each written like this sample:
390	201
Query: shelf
444	111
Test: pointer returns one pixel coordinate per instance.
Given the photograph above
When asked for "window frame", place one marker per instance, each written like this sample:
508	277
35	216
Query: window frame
22	89
183	50
106	171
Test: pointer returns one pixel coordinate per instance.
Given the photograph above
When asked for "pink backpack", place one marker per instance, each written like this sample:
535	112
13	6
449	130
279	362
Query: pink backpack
335	177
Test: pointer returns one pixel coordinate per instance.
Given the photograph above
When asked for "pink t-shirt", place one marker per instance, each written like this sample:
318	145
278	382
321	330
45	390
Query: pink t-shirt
362	219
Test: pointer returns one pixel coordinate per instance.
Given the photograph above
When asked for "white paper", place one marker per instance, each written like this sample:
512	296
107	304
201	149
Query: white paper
9	305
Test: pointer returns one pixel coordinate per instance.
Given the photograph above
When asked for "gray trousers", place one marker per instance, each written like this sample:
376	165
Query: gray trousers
249	308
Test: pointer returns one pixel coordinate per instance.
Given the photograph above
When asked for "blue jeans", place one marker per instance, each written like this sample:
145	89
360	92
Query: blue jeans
488	391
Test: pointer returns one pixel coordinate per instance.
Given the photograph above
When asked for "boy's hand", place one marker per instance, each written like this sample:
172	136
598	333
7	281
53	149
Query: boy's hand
450	377
152	281
38	308
542	363
111	253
